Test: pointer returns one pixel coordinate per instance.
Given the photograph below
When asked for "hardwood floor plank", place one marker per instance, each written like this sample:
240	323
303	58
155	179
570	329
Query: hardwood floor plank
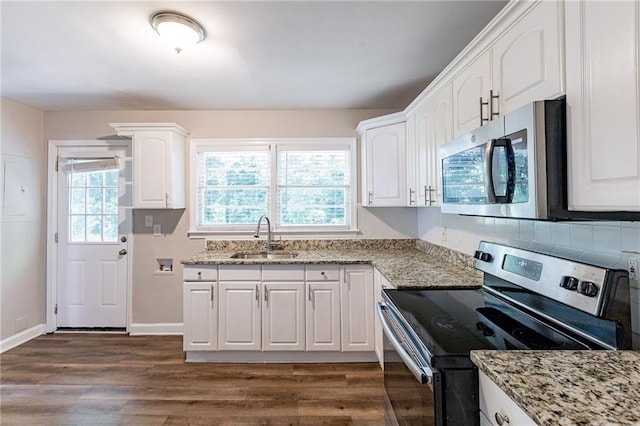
112	379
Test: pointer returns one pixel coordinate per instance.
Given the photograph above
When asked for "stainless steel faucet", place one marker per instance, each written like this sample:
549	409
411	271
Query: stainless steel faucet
257	233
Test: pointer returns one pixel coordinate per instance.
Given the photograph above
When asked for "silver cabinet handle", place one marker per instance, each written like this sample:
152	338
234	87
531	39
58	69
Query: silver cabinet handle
370	197
212	306
482	119
411	200
501	419
257	293
491	98
166	199
122	252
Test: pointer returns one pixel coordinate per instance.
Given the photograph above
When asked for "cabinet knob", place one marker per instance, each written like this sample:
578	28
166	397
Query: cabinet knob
501	419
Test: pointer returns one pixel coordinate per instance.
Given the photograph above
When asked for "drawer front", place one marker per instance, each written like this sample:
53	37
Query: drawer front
323	273
200	273
240	273
283	273
493	400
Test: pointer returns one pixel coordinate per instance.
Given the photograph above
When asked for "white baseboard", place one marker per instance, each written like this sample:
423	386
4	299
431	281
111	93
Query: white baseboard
21	337
156	329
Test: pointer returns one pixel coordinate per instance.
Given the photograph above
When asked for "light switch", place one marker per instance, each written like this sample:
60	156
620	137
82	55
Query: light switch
157	230
148	221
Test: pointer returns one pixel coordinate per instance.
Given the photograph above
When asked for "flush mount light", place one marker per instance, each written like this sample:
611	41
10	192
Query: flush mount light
178	30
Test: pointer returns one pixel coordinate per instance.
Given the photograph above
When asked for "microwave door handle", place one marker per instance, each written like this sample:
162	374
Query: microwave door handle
511	165
488	172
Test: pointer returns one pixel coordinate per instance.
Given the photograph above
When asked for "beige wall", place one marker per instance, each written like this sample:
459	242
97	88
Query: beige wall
22	250
158	298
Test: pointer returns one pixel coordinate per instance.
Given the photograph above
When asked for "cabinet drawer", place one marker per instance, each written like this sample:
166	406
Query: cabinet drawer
323	273
240	273
200	273
493	400
283	273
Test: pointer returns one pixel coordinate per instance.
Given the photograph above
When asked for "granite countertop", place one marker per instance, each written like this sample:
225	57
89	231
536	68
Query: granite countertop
403	266
568	387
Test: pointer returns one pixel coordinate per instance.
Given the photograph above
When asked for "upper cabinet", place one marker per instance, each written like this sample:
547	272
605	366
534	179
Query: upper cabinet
469	88
158	164
384	164
527	59
440	131
603	97
524	64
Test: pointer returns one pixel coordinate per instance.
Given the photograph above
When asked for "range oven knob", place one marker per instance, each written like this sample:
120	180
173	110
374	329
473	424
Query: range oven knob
481	255
570	283
587	288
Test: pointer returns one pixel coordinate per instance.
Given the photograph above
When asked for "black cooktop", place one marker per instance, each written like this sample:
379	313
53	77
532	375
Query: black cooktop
451	323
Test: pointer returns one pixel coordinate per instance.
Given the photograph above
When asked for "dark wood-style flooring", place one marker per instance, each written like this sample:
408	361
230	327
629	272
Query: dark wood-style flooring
83	379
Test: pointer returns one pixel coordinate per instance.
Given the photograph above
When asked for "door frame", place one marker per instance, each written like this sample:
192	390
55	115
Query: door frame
51	323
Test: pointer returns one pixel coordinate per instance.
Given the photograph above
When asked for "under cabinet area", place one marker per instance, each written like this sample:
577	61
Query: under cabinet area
279	312
496	408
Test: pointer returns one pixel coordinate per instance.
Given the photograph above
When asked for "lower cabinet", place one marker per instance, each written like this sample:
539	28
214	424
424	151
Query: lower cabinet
496	408
200	316
312	308
357	308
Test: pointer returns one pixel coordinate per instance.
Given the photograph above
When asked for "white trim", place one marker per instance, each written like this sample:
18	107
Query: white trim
162	329
383	120
279	356
21	337
52	224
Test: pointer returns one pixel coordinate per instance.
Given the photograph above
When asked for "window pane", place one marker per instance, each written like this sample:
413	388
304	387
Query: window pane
325	168
232	216
94	228
94	200
94	178
77	201
110	229
78	179
76	229
111	178
236	168
313	216
111	201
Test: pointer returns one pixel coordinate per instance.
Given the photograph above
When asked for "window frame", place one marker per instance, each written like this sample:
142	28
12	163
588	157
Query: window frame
272	145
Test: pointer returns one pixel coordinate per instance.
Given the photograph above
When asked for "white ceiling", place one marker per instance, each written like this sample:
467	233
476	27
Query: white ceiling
266	54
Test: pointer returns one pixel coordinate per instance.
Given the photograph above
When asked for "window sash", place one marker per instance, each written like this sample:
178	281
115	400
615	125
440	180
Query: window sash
274	147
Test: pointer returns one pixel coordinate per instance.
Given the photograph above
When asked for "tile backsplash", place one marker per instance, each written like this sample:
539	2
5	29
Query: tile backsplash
611	243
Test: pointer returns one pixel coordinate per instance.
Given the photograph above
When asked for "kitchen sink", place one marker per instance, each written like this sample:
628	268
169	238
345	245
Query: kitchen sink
264	255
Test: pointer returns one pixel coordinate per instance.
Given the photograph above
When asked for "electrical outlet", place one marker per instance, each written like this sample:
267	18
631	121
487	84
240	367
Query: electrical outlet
443	234
157	230
148	221
633	269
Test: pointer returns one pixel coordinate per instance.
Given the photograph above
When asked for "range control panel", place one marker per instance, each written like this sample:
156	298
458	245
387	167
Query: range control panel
575	284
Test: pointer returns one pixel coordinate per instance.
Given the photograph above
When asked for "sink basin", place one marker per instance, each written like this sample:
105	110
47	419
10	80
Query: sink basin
264	255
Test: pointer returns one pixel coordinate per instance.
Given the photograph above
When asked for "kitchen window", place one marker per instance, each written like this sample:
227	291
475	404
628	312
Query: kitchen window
306	186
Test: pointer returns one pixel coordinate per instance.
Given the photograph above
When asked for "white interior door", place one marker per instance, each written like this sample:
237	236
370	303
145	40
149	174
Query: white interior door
93	231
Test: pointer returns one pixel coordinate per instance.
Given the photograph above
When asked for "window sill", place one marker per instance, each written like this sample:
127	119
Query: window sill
294	235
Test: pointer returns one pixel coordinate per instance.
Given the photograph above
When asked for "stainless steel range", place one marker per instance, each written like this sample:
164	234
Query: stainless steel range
528	300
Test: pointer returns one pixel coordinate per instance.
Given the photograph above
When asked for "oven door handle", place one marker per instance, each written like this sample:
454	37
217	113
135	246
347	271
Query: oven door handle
423	374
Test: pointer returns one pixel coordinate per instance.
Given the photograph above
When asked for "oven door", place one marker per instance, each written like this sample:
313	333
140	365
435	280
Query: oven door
408	378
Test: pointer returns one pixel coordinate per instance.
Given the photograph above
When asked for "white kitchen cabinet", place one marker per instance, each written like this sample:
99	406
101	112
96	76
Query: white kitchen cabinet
439	131
603	89
496	406
378	333
158	164
323	316
357	309
200	316
527	59
469	87
283	316
239	325
385	165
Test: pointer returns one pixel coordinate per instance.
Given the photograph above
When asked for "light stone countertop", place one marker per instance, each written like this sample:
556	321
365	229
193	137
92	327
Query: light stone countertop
568	387
404	267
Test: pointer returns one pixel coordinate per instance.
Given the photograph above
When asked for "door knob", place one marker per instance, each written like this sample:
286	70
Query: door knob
122	252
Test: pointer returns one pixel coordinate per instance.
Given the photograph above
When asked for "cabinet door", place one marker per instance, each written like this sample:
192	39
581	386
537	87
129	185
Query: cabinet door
152	162
239	326
283	317
527	59
386	166
357	309
603	110
494	401
323	316
473	83
420	153
440	131
412	159
200	317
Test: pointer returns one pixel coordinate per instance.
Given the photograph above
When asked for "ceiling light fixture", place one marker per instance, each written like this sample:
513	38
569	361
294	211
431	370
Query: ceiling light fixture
178	30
